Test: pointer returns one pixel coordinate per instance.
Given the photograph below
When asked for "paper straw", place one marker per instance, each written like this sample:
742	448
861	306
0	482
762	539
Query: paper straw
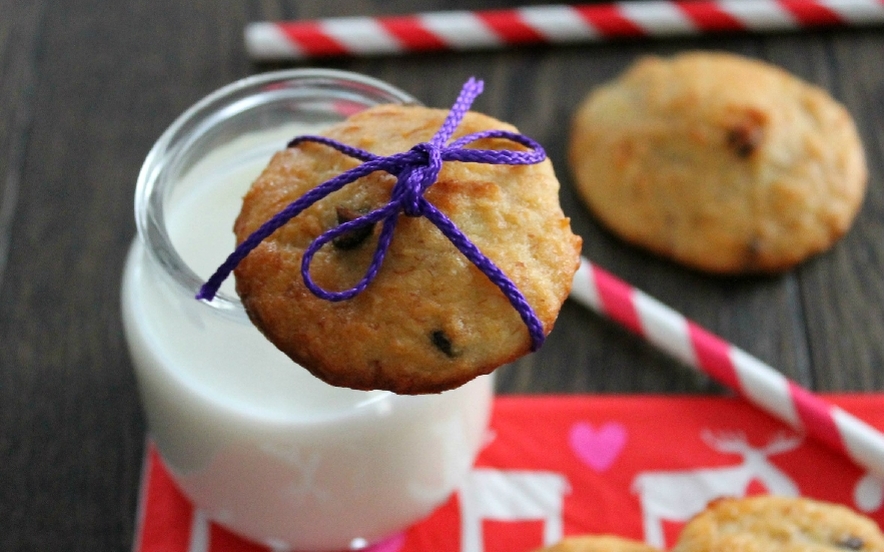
757	382
553	24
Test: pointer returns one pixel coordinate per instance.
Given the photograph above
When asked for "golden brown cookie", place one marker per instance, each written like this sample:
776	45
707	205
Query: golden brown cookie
723	163
770	523
430	320
598	543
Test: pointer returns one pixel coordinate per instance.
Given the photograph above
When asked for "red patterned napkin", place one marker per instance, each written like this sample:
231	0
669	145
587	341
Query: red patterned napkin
636	466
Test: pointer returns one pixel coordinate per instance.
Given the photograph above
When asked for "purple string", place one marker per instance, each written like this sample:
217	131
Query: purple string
416	170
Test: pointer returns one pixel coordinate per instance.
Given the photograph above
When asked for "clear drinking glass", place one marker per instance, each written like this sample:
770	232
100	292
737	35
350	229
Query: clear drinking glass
255	441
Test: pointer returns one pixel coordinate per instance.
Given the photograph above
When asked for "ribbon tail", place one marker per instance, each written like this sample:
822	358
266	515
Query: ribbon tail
487	266
351	151
208	290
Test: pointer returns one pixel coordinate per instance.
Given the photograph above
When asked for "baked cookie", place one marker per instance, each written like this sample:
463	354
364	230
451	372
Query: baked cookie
430	320
723	163
770	523
598	543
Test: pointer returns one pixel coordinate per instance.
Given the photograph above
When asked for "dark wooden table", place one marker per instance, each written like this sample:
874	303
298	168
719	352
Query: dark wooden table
86	86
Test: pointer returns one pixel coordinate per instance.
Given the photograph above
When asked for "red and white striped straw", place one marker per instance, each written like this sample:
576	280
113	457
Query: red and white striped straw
754	380
553	24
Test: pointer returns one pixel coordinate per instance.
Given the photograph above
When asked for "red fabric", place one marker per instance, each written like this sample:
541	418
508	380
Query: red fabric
165	516
607	459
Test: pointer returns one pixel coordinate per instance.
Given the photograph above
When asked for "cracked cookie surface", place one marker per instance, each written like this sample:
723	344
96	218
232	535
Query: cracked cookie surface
783	524
720	162
430	320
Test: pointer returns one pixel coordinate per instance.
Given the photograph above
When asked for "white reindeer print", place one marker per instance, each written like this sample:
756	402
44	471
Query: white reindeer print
510	495
678	495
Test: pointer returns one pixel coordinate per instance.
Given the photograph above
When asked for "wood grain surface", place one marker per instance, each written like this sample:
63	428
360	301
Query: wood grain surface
86	86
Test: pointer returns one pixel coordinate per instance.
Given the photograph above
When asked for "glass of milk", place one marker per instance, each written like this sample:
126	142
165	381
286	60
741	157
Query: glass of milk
256	442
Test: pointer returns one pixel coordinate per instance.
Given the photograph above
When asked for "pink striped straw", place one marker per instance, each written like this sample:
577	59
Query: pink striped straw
554	24
757	382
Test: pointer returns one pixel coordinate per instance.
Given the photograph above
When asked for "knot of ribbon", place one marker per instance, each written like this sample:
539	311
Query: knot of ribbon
415	170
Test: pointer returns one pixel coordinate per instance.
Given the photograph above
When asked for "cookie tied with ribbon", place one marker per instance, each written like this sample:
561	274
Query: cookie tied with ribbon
406	248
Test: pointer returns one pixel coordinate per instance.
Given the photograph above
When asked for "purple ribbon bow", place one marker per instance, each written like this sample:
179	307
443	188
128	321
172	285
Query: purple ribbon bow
416	170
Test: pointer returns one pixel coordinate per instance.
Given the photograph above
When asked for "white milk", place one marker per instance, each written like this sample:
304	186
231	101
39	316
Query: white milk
255	440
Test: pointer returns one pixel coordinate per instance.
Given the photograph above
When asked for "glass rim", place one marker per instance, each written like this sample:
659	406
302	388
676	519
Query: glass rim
150	224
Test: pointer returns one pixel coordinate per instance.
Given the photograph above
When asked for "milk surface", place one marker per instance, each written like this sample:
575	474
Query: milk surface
199	219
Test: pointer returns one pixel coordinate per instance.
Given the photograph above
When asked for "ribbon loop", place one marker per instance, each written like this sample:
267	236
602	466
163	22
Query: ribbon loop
415	171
